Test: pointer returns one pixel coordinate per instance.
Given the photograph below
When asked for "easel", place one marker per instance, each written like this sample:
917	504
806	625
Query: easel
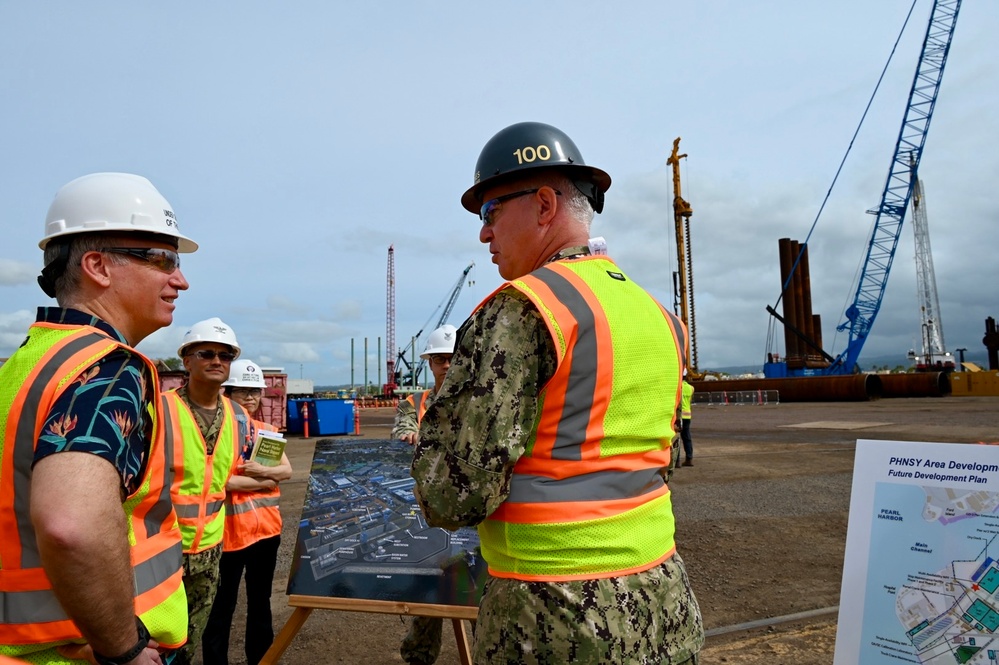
305	604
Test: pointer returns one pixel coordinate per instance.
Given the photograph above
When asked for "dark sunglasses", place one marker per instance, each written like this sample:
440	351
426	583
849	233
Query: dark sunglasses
166	260
439	359
210	354
490	206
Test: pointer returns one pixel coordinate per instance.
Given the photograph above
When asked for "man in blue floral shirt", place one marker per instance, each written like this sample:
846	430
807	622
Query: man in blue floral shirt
89	544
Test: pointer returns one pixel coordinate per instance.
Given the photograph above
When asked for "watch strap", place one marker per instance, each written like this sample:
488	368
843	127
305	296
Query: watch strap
129	655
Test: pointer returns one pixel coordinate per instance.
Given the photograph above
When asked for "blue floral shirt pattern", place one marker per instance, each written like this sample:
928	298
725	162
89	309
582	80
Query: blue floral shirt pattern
105	411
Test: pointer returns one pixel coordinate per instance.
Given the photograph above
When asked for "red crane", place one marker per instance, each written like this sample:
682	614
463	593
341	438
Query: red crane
390	350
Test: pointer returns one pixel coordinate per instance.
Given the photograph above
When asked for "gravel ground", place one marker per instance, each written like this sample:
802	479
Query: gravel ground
761	524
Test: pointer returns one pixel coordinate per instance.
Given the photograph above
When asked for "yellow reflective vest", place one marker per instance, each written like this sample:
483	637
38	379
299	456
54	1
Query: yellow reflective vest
32	622
588	498
199	479
688	394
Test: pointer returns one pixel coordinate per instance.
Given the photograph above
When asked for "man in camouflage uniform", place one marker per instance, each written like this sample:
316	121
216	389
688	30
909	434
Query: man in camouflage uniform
564	476
422	644
211	430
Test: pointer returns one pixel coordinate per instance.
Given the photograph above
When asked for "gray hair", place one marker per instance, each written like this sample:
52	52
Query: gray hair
579	207
575	202
68	283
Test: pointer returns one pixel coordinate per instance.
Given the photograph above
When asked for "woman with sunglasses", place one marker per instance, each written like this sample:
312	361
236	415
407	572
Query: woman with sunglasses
252	533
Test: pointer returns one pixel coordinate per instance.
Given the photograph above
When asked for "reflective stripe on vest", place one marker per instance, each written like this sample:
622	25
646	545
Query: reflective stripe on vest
587	498
688	394
199	479
251	516
30	616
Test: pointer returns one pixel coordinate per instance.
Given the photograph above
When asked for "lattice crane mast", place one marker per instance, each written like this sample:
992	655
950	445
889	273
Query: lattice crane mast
898	187
934	354
390	385
683	278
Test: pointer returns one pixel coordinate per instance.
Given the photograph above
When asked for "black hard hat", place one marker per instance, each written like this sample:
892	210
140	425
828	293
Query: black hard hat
533	145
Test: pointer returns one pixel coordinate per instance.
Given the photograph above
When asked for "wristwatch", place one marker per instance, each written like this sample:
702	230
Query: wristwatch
129	655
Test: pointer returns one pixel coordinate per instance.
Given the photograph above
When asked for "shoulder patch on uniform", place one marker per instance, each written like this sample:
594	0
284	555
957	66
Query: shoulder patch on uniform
618	276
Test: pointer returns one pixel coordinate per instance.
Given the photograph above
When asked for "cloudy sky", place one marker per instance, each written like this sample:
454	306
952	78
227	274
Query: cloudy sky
297	141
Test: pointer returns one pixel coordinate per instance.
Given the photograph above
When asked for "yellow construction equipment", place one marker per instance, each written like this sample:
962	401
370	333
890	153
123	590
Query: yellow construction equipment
683	278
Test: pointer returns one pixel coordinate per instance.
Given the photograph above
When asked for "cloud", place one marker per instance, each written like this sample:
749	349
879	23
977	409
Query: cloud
13	329
17	272
285	304
297	352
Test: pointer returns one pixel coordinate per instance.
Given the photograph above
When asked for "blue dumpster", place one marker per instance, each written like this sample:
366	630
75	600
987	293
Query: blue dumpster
293	423
329	417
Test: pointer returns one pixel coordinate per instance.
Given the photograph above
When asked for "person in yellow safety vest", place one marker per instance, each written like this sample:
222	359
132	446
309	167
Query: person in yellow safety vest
688	443
252	533
208	431
554	427
90	550
422	644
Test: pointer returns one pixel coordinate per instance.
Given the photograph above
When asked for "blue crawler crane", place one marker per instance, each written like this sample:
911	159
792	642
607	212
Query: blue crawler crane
895	198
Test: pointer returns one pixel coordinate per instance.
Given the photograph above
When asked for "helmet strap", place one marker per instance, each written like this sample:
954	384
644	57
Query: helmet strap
591	192
54	270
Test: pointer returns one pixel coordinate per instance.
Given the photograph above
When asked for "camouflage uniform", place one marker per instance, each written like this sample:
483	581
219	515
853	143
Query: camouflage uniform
478	426
422	643
201	570
201	581
405	418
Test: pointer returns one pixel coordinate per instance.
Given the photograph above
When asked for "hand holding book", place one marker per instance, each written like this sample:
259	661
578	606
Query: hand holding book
268	448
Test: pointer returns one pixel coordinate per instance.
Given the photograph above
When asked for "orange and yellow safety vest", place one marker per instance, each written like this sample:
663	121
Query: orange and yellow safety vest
251	516
419	402
199	479
31	618
588	498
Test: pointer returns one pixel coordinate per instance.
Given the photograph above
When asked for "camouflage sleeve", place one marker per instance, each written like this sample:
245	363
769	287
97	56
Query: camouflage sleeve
405	419
674	448
483	417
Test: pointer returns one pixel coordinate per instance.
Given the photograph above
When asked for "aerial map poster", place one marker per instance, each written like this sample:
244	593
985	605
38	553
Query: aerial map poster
362	535
921	572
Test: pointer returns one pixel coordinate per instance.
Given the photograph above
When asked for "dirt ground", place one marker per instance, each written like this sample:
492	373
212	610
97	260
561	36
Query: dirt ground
761	524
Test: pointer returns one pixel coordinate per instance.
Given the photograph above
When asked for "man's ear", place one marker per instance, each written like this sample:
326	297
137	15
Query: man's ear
96	267
548	205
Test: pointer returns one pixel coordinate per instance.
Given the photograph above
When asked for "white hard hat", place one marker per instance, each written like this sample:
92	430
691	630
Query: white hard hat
112	202
244	373
209	330
440	341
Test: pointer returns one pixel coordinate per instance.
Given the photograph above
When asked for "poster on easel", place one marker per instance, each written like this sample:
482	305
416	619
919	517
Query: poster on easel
362	535
921	571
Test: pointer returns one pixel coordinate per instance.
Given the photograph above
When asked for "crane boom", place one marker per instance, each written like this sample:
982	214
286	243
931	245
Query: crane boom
895	197
448	307
452	299
933	349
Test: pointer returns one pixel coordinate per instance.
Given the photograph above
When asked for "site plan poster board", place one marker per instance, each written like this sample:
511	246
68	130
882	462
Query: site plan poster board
920	577
362	535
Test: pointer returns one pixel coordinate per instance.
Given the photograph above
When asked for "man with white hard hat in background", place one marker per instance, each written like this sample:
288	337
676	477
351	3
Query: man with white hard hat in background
409	413
422	643
90	550
252	533
208	431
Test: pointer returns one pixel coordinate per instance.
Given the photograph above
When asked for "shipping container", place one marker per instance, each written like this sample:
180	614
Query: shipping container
273	406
